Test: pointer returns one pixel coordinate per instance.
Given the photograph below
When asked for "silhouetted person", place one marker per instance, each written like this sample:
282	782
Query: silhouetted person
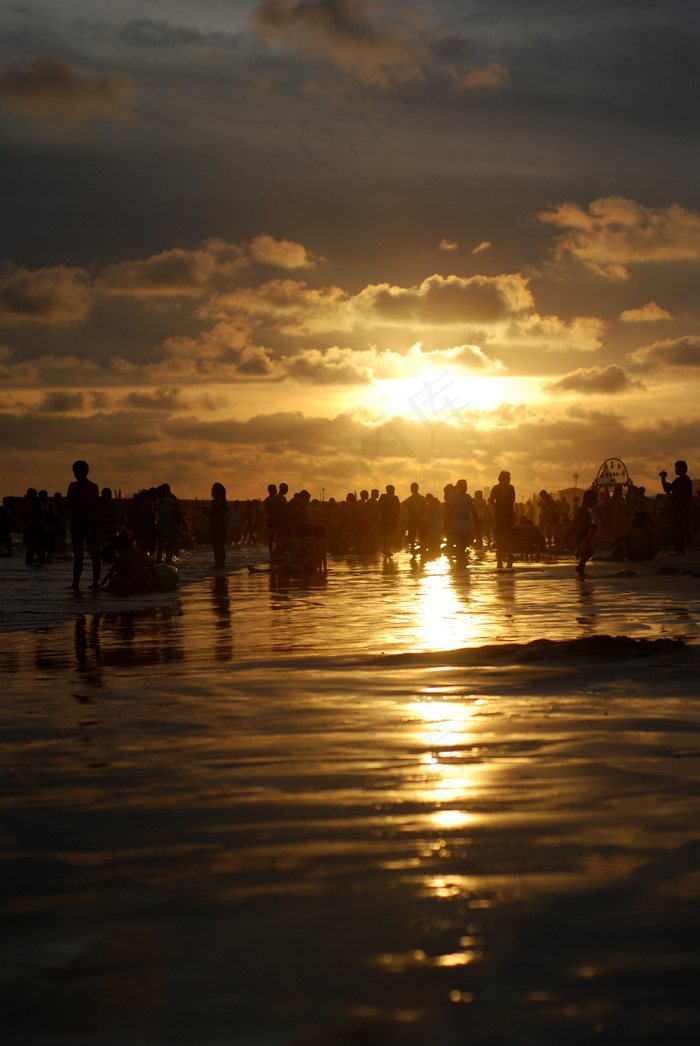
33	515
270	516
389	508
218	524
681	491
459	514
585	528
503	499
82	503
415	508
132	570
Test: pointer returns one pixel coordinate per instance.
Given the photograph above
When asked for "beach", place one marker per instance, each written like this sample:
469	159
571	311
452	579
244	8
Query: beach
409	803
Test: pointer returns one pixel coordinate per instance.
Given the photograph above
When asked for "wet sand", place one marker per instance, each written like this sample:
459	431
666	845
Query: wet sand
410	804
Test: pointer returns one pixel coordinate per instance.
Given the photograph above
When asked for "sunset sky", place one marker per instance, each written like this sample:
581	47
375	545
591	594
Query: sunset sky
346	243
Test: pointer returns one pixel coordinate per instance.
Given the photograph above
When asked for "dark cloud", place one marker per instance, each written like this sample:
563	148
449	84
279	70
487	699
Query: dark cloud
167	400
595	381
60	402
50	296
47	87
147	32
679	352
119	429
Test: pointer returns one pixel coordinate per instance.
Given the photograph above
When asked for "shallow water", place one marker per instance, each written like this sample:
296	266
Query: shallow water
354	811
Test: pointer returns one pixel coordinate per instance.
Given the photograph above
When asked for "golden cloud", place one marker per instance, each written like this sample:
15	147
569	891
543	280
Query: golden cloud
616	232
438	301
650	313
49	88
282	254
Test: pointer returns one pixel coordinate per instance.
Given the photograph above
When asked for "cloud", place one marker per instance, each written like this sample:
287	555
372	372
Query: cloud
448	245
680	352
162	399
491	76
605	381
61	402
180	272
282	254
485	245
449	300
172	273
347	33
50	296
293	307
333	367
49	88
616	232
650	313
152	34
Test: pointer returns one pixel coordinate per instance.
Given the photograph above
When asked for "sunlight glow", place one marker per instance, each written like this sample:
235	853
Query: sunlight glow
444	395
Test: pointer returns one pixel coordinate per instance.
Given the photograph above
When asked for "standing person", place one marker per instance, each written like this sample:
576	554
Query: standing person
33	517
165	506
550	516
479	503
389	508
503	499
458	519
415	508
270	516
82	504
218	523
585	528
6	523
681	491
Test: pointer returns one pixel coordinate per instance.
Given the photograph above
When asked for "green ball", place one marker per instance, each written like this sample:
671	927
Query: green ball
169	576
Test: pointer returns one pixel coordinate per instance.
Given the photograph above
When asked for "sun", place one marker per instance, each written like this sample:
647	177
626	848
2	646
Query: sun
441	393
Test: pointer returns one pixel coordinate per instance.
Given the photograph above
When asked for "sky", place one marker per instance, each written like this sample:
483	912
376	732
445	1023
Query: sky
341	244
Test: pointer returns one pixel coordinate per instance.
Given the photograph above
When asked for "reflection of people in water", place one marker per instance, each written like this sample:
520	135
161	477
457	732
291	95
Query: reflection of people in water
585	528
82	502
503	499
133	570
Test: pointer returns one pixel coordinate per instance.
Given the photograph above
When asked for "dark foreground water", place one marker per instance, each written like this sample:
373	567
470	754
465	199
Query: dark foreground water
407	805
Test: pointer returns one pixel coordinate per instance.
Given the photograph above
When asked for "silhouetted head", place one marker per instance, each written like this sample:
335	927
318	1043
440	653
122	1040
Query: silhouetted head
389	488
504	477
461	486
589	498
680	467
218	490
80	469
375	492
478	493
122	541
107	493
31	492
283	488
271	488
364	494
414	488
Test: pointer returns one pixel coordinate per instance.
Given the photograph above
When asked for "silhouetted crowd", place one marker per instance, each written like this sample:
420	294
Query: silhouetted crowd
621	521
